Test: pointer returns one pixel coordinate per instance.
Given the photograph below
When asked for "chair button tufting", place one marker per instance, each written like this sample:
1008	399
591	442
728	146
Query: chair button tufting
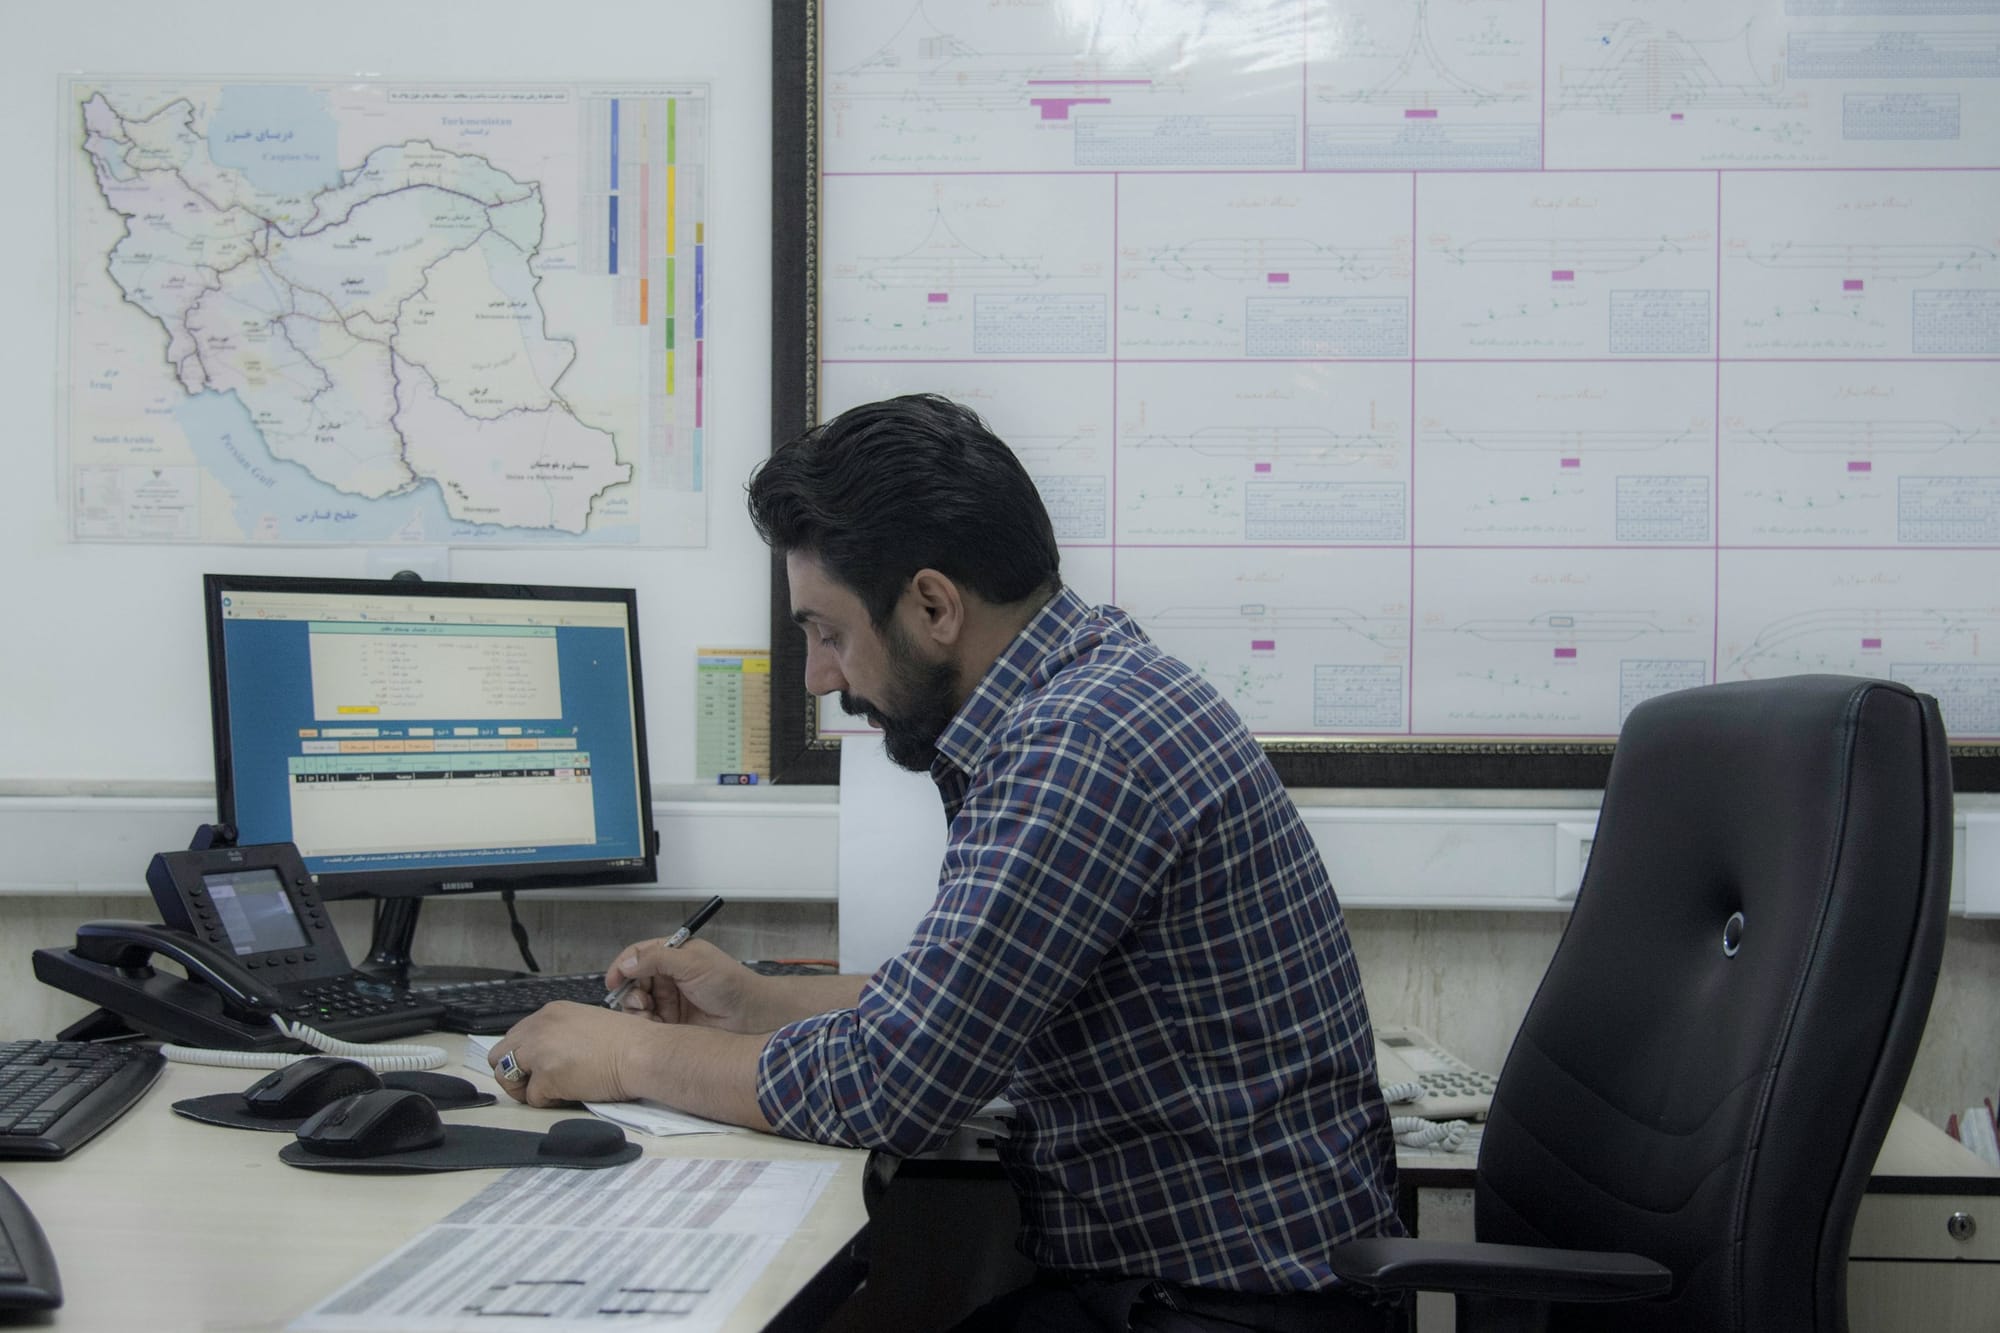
1732	934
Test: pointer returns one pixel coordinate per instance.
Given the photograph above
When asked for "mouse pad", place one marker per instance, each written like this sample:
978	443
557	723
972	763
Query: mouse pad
578	1144
232	1110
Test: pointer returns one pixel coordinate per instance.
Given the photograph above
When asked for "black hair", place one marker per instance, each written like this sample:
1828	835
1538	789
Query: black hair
918	482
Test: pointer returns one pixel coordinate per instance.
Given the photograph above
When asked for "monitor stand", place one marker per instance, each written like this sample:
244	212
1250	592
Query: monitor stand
389	951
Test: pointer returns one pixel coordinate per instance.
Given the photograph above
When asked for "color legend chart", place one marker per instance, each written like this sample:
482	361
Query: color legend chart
645	204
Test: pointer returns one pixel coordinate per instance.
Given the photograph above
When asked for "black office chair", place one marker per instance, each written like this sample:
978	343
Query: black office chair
1710	1065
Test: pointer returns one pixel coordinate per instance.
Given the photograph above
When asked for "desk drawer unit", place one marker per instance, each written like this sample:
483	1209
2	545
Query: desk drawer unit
1928	1226
1928	1261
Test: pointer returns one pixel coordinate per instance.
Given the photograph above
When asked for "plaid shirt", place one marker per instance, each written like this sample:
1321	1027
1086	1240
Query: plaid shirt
1135	941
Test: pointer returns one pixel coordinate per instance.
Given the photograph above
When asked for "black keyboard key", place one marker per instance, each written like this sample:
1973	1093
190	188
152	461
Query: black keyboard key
61	1099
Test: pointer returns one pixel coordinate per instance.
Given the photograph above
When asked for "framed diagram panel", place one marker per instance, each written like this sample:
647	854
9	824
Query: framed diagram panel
1440	381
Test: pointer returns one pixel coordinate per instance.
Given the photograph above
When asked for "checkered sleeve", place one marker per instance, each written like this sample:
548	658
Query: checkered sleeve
1050	858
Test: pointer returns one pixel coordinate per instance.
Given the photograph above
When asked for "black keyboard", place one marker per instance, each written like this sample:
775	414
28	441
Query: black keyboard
28	1278
497	1004
790	967
56	1095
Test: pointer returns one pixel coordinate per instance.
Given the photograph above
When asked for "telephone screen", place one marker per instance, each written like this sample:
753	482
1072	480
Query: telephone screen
255	910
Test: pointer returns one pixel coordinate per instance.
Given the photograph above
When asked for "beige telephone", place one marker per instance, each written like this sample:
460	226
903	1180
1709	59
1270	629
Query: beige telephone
1420	1078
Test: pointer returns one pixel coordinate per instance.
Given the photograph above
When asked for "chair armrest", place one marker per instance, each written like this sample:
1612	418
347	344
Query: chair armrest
1522	1271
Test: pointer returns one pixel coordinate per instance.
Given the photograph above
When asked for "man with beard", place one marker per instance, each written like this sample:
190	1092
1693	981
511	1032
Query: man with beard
1133	937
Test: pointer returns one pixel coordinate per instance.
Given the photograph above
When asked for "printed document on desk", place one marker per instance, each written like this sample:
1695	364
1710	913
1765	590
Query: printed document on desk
663	1243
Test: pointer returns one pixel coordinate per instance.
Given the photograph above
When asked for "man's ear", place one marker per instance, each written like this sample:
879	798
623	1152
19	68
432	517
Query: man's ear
939	606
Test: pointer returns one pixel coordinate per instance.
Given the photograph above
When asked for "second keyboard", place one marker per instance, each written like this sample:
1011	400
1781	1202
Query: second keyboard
497	1004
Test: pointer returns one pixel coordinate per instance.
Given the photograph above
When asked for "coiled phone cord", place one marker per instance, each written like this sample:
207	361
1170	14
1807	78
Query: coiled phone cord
382	1059
1416	1132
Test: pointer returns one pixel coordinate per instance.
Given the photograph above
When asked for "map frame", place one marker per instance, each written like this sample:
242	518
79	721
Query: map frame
632	472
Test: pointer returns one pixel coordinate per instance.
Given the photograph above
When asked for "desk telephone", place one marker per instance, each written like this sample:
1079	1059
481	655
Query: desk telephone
247	927
1446	1087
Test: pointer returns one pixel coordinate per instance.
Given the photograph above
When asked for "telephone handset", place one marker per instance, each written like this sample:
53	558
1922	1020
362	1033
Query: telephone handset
247	926
129	946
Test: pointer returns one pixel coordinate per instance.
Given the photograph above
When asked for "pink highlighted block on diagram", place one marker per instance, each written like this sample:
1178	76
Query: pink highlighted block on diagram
1860	465
1850	284
1572	462
1277	278
1261	467
1057	108
1868	645
1420	113
1263	645
940	298
1562	275
1564	654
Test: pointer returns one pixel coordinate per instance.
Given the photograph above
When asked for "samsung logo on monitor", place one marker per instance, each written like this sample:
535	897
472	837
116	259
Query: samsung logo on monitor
457	885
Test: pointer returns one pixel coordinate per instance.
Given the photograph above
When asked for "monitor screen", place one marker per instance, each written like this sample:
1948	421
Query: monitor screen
417	738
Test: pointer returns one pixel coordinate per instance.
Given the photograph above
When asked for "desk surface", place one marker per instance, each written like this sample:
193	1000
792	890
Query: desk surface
163	1222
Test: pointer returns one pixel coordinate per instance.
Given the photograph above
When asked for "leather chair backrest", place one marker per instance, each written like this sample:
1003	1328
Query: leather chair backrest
1713	1097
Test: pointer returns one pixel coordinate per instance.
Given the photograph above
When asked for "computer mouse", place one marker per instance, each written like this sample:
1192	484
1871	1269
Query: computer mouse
373	1124
297	1090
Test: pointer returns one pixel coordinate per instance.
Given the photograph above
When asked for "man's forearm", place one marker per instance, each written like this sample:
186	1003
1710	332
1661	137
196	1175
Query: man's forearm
703	1071
788	999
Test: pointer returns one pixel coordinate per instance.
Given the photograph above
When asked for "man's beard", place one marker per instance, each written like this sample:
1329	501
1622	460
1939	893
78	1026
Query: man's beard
926	701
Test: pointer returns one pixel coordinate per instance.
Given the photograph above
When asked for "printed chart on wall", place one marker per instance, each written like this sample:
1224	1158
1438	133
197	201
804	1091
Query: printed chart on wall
359	311
1433	369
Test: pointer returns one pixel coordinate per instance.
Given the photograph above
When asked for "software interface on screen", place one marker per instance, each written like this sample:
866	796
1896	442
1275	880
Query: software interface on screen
255	910
384	732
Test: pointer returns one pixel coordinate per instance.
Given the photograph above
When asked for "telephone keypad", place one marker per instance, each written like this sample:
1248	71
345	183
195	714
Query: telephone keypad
1458	1085
344	999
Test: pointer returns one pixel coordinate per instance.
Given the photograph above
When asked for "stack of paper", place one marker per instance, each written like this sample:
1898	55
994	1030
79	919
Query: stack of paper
1976	1132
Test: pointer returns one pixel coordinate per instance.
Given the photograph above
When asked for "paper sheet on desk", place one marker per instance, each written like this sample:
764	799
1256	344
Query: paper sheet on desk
662	1243
648	1117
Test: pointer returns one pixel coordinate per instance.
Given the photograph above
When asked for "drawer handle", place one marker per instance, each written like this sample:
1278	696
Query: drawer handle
1961	1226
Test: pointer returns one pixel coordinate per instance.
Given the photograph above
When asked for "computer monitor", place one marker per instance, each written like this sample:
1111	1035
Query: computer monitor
418	738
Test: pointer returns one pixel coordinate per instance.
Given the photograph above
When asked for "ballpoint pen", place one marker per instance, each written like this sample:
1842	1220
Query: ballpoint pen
616	999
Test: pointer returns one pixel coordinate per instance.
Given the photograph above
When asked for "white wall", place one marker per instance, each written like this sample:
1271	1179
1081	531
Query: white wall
104	670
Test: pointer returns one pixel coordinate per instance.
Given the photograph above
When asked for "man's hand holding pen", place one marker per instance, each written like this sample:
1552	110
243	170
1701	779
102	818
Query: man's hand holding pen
708	1019
577	1053
621	980
568	1052
696	983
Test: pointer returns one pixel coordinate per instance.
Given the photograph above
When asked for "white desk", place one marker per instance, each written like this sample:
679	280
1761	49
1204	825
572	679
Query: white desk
162	1222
